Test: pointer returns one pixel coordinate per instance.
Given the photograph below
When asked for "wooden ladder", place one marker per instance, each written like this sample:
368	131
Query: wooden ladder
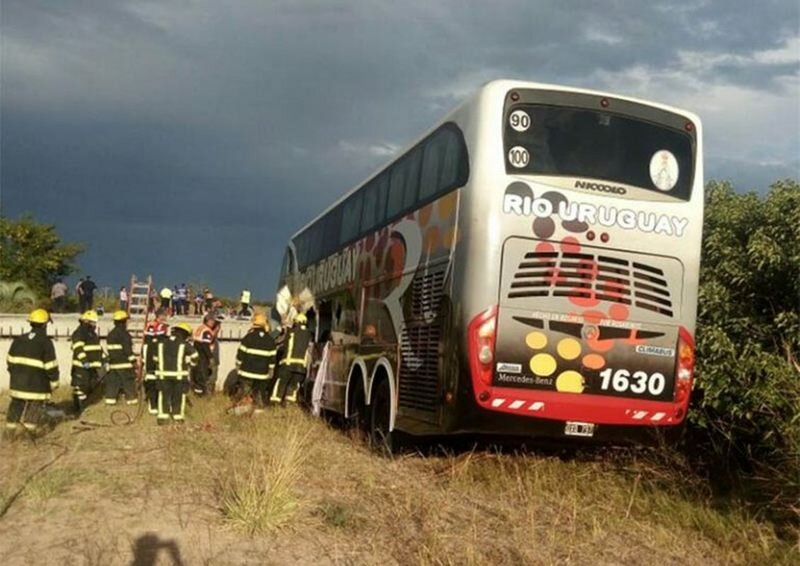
138	311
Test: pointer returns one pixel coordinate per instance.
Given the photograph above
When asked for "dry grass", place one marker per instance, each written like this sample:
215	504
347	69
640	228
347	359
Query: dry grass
259	495
291	488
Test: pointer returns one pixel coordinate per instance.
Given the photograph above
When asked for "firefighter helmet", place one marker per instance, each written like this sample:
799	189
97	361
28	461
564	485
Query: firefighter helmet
120	315
89	316
185	326
260	321
39	316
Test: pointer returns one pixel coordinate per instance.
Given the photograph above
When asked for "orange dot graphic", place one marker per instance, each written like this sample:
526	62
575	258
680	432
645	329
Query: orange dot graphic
446	206
431	240
570	245
594	361
544	247
618	312
450	237
425	215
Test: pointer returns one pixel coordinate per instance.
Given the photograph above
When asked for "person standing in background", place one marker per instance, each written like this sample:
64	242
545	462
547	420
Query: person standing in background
245	301
183	294
198	303
166	299
88	288
58	294
79	293
209	298
123	299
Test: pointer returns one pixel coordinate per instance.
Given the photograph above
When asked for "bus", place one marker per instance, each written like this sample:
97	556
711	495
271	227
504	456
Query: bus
528	267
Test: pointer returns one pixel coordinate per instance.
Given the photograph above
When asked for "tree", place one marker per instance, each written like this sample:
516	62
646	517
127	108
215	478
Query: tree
34	254
748	339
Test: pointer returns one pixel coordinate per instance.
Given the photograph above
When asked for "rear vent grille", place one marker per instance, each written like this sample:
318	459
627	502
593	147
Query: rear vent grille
590	276
419	343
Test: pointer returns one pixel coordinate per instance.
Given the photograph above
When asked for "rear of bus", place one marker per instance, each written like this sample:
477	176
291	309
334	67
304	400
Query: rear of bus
583	227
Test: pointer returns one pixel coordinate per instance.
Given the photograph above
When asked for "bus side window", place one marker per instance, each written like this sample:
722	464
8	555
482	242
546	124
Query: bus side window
450	163
397	184
414	164
351	218
431	164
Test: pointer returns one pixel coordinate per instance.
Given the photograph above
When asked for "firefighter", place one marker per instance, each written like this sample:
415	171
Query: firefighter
87	359
292	367
174	356
120	376
205	339
255	361
33	369
155	331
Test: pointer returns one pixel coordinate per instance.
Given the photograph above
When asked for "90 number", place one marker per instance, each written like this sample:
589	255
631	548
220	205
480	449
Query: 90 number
640	382
519	120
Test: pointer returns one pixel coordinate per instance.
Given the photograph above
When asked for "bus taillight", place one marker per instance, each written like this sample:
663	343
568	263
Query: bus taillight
481	332
685	374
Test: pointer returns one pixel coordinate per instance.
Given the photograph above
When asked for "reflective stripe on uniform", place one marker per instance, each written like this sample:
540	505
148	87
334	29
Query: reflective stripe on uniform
160	373
114	347
28	395
290	360
93	347
256	351
253	375
124	365
31	362
76	345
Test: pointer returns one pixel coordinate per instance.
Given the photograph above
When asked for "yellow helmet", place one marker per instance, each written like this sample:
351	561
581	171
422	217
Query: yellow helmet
120	315
260	321
185	326
89	316
300	318
39	316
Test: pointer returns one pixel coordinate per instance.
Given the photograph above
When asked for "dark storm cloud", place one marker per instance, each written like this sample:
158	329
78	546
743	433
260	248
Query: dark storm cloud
191	138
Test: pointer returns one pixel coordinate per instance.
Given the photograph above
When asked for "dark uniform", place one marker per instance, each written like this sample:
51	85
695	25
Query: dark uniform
204	343
155	332
120	375
174	357
33	369
292	367
256	362
87	359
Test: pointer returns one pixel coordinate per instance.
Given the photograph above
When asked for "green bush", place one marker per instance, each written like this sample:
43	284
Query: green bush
748	340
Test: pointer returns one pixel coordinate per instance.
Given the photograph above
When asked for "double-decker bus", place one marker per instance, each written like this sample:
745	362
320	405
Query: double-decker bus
528	267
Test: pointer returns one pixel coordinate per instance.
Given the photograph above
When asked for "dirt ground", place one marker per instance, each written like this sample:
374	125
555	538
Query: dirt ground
284	488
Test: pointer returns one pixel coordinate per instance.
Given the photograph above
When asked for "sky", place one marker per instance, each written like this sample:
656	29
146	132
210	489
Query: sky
189	139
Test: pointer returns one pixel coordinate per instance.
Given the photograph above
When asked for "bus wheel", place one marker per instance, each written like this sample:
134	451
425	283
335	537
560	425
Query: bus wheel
381	439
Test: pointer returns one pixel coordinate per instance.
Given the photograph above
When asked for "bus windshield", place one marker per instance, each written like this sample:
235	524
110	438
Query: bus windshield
577	142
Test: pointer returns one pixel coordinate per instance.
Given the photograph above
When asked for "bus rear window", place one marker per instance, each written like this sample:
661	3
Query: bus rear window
576	142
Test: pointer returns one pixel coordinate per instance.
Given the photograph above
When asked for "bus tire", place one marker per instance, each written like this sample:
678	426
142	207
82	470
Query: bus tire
381	439
357	405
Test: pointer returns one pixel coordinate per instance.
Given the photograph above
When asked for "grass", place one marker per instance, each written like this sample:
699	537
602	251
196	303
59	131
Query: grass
259	495
227	488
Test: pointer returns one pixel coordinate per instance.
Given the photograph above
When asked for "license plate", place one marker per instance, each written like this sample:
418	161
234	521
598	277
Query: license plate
579	429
